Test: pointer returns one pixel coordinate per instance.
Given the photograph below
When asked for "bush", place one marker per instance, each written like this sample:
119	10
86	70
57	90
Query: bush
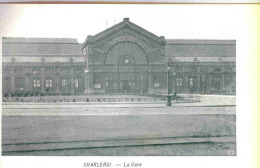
21	93
7	94
13	93
36	93
27	93
42	94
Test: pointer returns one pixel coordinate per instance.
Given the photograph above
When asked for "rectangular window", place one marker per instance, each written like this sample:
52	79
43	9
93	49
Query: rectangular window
179	82
6	84
97	86
107	81
217	69
64	82
36	83
6	71
156	85
107	84
76	83
203	69
18	71
64	71
97	80
48	83
228	69
110	81
228	80
191	82
121	85
49	71
178	69
78	71
192	70
19	83
36	71
203	78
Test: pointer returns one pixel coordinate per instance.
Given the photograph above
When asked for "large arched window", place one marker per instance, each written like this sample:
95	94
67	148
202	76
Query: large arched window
119	52
126	60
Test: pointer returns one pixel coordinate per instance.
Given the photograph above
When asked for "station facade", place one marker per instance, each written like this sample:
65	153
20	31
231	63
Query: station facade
123	59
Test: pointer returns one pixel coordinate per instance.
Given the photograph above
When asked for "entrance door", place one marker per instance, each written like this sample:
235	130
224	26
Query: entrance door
126	86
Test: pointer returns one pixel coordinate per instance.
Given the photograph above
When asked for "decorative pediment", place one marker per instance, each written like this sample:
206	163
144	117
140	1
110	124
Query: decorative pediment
125	38
125	27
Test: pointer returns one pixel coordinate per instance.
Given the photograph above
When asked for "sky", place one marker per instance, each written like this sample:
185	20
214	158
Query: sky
80	20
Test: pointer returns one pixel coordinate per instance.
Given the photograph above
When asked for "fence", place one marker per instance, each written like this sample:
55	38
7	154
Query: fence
100	98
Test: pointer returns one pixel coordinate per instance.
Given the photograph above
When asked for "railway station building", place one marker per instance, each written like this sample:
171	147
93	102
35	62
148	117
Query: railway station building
123	59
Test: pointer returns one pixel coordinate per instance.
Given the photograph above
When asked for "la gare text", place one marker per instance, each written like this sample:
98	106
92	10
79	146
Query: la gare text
109	164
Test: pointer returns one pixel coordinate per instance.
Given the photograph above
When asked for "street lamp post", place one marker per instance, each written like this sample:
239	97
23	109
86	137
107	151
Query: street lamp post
203	83
74	89
142	76
168	97
175	85
86	81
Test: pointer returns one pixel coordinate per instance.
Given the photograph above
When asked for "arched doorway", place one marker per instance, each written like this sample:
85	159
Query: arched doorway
126	74
130	63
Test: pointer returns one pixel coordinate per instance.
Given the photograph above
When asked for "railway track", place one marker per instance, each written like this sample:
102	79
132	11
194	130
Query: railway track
63	148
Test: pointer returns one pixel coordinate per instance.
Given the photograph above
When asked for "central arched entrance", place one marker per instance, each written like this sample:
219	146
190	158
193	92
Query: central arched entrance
126	74
130	63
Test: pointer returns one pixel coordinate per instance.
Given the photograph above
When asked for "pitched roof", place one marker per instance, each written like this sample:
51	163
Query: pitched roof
41	46
200	48
198	41
38	40
179	50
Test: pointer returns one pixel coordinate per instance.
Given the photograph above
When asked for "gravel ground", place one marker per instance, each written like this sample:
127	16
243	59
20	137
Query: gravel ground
45	123
88	110
67	128
60	128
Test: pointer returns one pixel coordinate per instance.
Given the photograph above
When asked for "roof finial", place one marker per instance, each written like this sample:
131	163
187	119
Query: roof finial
126	19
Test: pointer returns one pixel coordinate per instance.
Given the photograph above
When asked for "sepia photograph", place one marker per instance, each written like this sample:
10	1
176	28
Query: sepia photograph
132	82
